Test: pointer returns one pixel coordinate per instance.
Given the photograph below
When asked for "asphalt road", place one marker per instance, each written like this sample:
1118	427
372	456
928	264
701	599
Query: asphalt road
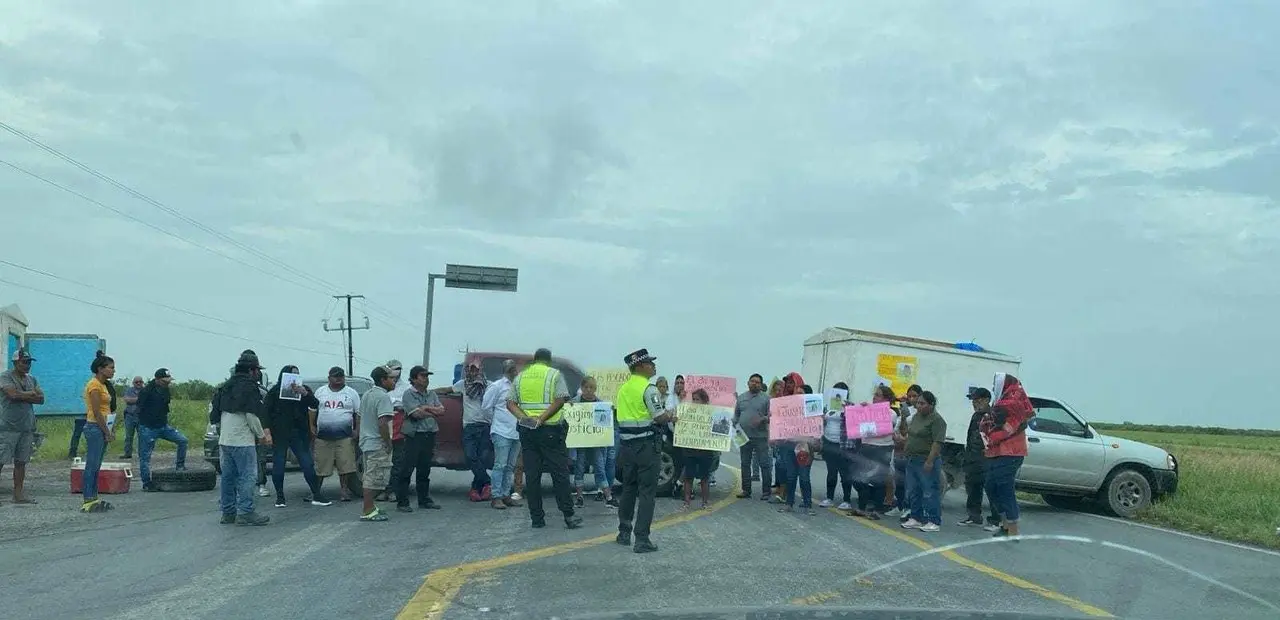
165	556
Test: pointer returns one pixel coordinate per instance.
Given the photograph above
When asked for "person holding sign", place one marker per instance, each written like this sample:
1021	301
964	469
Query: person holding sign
640	410
600	457
697	464
536	396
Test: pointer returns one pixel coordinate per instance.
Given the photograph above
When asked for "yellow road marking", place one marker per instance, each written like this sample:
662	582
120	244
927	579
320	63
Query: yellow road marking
1016	582
442	585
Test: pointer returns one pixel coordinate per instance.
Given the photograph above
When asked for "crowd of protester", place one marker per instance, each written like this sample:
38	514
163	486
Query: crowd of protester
392	428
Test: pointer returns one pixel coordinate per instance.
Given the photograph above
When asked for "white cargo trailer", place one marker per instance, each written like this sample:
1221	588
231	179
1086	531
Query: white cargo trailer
863	359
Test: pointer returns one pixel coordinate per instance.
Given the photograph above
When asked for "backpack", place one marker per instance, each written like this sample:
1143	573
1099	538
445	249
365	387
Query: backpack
215	406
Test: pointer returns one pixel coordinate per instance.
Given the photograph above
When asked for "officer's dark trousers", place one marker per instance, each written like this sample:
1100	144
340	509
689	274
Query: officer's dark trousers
544	452
639	462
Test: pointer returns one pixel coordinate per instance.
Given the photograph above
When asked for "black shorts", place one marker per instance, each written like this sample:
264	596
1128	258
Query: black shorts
698	464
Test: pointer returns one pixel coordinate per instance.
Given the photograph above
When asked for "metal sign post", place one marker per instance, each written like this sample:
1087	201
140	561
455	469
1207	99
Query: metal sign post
479	278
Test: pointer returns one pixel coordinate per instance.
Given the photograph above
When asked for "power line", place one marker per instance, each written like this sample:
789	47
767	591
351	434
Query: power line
179	325
175	213
105	290
173	235
115	292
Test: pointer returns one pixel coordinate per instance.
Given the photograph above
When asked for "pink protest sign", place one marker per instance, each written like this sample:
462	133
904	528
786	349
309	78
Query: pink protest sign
723	391
873	420
787	419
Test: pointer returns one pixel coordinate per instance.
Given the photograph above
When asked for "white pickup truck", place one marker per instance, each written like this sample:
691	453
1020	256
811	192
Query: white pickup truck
1068	462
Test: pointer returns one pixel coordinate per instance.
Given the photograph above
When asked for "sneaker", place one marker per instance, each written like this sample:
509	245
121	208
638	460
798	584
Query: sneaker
262	491
280	502
894	512
486	494
147	487
599	496
317	500
228	519
497	504
572	522
911	524
991	527
969	521
612	502
374	516
930	527
845	506
644	545
826	503
579	501
515	497
404	508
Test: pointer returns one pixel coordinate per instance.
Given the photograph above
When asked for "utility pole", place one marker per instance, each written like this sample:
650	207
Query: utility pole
348	327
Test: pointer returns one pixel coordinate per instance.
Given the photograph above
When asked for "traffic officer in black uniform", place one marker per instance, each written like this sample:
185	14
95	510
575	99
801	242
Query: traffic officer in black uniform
640	409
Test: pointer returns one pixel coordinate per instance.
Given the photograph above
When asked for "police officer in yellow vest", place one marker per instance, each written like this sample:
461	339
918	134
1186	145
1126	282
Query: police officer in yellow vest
640	409
536	396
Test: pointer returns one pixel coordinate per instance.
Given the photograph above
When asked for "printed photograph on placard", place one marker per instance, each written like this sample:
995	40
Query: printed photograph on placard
290	386
603	415
812	405
722	422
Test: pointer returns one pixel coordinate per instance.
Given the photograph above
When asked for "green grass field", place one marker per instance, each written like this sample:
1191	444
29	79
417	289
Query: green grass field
1229	486
187	416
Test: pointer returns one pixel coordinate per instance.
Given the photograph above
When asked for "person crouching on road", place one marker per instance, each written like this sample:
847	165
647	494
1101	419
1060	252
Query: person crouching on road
422	408
537	395
698	463
376	414
288	417
594	456
641	410
97	434
240	430
1004	430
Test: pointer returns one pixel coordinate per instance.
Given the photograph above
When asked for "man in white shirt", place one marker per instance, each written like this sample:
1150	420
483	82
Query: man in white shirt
505	437
333	426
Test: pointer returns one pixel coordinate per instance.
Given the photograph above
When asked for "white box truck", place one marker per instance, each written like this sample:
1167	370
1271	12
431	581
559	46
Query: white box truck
863	359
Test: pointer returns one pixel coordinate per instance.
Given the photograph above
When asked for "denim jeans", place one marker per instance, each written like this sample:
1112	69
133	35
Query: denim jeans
595	456
795	472
505	453
239	472
925	489
478	449
95	449
77	431
1002	471
607	465
147	437
130	429
301	447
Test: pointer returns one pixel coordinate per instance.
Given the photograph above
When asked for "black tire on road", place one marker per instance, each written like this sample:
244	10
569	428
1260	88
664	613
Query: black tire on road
666	474
188	480
1064	502
1125	493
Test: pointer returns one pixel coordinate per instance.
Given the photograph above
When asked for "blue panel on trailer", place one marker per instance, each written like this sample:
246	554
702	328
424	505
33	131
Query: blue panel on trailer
14	343
62	366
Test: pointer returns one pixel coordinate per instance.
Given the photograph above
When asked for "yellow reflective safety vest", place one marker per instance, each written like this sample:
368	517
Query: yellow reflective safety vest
537	390
634	420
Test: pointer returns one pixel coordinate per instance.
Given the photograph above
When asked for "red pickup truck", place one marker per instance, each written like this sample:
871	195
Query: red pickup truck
449	452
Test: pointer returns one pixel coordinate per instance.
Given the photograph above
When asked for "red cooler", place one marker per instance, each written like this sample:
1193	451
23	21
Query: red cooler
113	478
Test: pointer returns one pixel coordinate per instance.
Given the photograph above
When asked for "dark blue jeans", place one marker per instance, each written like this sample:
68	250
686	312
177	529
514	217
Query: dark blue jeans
794	473
302	450
925	489
147	438
95	449
1002	471
130	429
478	448
239	472
77	431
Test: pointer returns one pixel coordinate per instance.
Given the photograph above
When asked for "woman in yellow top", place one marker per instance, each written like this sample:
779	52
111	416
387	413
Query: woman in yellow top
97	403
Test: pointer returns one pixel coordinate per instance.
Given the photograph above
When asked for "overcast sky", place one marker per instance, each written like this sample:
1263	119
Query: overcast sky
1090	186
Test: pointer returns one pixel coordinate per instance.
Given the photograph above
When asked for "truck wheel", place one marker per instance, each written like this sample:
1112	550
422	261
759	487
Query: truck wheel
1063	502
666	474
1125	493
187	480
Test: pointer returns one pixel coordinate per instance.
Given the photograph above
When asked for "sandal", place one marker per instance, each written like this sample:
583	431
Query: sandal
96	505
684	508
376	515
25	501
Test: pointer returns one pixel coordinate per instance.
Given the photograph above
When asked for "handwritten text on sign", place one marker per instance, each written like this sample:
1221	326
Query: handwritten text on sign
704	427
590	424
787	419
873	420
608	380
722	391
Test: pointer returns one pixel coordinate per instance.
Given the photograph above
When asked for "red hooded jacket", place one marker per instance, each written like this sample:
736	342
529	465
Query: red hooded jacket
1004	428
